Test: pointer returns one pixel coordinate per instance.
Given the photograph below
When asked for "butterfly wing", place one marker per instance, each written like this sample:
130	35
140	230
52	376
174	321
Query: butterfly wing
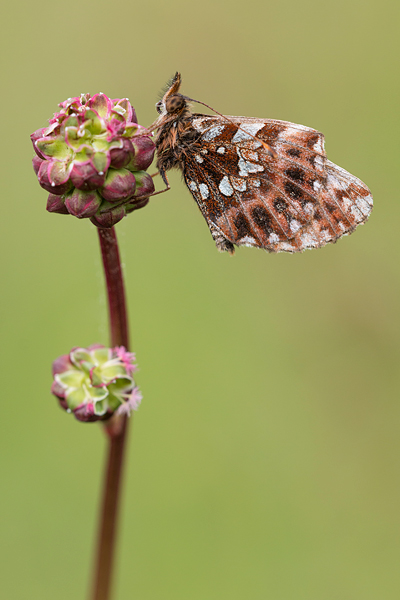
293	200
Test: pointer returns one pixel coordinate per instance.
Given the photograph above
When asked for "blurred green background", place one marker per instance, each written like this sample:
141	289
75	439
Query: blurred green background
264	460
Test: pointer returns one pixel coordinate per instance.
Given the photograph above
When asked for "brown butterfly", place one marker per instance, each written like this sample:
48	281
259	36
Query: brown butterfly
258	182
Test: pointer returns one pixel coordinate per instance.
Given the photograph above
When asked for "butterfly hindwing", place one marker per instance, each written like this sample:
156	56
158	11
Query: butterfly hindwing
291	201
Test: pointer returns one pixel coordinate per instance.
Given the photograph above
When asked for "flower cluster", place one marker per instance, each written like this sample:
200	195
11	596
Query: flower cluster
93	159
96	382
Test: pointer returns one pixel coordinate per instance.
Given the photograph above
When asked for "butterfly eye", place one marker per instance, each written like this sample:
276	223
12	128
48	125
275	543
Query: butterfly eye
175	103
159	107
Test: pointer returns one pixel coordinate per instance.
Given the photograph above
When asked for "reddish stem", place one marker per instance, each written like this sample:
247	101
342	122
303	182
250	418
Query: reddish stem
115	287
116	430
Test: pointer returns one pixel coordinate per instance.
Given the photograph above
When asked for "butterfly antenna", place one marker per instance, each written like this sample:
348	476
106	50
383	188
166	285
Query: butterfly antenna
268	148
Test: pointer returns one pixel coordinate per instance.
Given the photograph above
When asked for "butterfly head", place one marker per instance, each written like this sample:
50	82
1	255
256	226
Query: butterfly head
172	103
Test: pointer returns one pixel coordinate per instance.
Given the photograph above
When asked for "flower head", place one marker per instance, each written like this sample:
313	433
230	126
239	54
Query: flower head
92	159
96	382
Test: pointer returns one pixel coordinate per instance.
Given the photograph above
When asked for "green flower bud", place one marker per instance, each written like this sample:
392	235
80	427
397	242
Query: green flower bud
96	382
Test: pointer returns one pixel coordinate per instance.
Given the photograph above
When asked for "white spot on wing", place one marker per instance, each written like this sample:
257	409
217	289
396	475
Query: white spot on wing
201	123
308	240
346	203
319	161
294	226
319	146
213	132
225	187
246	167
246	129
221	150
256	182
247	240
204	191
192	185
199	158
285	247
273	238
317	185
326	235
356	212
363	206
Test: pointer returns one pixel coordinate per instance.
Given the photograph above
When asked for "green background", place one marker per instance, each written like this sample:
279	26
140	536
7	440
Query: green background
264	460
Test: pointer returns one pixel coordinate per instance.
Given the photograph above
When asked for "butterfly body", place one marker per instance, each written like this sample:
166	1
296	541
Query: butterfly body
258	182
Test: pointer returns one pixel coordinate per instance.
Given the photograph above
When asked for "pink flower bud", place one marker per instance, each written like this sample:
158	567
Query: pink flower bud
125	105
85	177
36	135
36	162
120	157
144	184
144	153
82	204
109	218
120	184
86	414
135	205
56	204
44	180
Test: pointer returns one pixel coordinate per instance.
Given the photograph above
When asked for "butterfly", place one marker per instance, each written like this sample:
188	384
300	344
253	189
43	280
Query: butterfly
258	182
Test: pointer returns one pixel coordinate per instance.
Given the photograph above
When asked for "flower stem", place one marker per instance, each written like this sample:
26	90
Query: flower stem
115	287
116	428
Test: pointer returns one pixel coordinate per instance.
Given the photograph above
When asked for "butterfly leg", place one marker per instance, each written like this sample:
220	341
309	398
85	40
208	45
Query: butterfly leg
165	179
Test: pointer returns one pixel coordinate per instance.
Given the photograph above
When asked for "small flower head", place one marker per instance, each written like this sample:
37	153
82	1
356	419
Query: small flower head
92	159
96	382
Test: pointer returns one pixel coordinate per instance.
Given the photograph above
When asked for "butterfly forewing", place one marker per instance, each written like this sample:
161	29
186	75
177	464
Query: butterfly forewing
263	182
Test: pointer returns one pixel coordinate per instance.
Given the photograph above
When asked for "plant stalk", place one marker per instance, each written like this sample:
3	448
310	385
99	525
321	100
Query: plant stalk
116	428
115	288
